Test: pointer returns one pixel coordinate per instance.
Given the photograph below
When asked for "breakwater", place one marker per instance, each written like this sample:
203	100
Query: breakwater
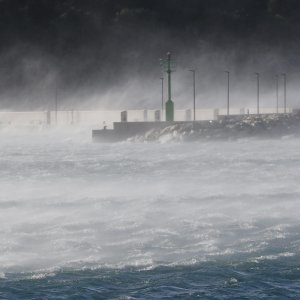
225	127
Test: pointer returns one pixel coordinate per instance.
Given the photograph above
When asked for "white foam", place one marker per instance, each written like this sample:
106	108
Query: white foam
68	203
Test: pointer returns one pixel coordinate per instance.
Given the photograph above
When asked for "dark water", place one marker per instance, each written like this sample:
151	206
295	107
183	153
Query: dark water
205	220
272	279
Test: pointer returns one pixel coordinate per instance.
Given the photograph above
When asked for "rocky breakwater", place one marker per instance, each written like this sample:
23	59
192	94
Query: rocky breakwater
228	127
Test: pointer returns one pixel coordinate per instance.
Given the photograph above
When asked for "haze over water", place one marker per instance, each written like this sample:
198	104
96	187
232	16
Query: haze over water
204	219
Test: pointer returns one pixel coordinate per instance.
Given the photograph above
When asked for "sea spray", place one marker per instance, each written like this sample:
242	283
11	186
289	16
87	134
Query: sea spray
220	212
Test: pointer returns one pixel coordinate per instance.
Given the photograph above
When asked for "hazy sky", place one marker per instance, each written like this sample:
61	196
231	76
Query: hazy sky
105	53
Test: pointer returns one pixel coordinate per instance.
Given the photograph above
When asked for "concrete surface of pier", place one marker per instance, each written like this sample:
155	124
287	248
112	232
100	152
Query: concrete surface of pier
236	126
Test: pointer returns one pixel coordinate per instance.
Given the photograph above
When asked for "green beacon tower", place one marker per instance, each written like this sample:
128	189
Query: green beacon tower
168	65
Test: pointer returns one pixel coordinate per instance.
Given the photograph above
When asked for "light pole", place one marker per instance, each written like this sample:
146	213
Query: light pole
284	86
162	95
257	76
169	104
168	66
228	90
277	94
194	92
56	104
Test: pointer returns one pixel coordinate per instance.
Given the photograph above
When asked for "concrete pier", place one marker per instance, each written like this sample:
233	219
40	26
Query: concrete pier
232	126
125	130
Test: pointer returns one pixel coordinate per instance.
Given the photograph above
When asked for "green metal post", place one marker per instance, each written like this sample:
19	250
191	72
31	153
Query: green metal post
169	103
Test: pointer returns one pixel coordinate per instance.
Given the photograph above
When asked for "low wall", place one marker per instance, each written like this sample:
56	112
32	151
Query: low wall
106	118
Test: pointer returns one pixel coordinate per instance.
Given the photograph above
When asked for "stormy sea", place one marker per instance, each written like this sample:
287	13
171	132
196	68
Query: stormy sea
148	220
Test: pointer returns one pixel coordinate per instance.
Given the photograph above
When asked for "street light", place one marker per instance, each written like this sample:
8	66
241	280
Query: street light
228	87
56	104
194	92
277	94
284	85
162	95
168	66
257	76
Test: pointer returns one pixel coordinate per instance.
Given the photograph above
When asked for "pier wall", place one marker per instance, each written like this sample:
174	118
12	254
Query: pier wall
101	118
24	118
253	110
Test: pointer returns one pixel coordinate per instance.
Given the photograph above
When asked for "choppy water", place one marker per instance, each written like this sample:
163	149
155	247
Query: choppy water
208	220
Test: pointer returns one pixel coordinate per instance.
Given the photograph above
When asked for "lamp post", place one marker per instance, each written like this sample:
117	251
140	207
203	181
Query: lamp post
257	77
228	90
56	104
277	94
169	104
168	66
162	95
194	92
284	86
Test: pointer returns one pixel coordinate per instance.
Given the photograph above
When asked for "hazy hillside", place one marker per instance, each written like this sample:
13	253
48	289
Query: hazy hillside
93	44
